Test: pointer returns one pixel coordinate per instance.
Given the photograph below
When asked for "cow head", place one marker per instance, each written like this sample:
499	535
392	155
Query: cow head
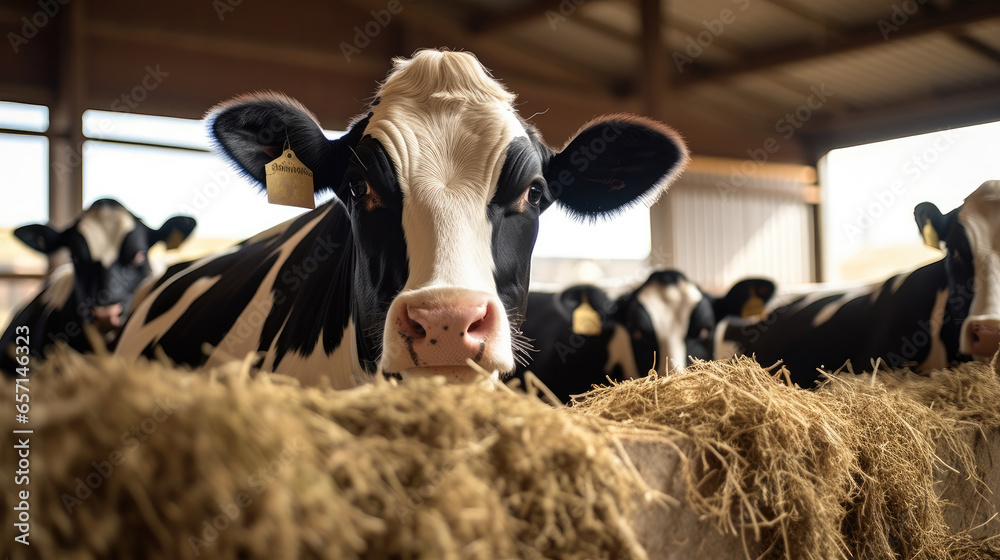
970	236
671	316
444	183
107	246
668	316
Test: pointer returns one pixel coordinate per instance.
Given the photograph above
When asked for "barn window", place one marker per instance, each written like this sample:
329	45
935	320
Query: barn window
870	191
24	157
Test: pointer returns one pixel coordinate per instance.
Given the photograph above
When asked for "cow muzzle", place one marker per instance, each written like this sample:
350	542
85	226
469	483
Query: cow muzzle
434	331
982	338
107	317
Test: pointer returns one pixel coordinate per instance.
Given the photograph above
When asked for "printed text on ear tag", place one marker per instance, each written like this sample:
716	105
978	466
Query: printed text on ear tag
289	181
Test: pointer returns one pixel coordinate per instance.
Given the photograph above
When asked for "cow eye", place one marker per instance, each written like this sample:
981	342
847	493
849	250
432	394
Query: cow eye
359	188
534	194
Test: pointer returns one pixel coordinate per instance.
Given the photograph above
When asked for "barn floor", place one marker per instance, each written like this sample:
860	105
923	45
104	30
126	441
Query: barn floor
725	461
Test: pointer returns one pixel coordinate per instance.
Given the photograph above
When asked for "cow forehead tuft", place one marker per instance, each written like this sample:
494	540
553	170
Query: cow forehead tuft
457	75
104	228
443	120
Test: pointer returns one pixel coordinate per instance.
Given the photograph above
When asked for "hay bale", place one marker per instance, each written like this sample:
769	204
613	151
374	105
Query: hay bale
849	471
183	465
722	462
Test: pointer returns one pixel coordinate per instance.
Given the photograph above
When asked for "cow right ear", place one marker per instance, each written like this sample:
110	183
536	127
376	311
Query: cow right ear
40	237
747	298
931	224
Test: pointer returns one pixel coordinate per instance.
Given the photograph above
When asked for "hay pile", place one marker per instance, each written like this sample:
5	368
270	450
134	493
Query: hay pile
145	461
183	465
848	471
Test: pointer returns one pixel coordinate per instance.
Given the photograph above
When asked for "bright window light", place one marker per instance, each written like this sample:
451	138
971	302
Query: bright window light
625	236
870	191
129	127
156	183
24	187
21	116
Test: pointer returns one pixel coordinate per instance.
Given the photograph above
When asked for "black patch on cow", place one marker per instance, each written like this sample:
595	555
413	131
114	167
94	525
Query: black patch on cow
381	266
895	327
212	315
700	340
316	276
515	225
568	363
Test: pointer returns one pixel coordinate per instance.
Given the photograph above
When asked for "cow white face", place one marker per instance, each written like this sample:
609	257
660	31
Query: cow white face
669	318
971	237
444	184
107	246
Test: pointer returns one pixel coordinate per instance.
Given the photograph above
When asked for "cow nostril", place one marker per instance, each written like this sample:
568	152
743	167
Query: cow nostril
417	327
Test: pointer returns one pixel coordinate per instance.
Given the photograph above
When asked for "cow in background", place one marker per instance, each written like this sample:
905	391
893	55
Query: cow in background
107	246
421	262
583	337
945	312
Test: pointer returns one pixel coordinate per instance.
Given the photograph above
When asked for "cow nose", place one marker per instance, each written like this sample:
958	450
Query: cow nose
108	317
447	333
984	337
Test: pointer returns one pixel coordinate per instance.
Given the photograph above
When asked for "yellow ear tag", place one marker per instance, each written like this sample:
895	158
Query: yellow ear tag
289	181
930	236
174	240
586	321
754	306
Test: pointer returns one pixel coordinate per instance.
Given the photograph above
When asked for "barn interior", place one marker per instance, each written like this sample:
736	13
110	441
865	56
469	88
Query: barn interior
761	90
104	98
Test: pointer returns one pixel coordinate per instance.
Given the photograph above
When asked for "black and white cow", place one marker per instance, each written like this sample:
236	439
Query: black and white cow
107	245
578	341
421	261
928	318
583	338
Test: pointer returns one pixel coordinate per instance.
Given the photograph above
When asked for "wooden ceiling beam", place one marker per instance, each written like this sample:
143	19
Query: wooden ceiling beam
490	23
542	67
936	111
237	48
869	35
830	27
977	46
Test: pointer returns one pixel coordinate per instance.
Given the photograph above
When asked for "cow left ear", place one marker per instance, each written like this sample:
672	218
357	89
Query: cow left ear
614	162
40	237
931	223
173	232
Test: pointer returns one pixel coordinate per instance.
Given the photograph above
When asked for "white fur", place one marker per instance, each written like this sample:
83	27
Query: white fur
315	367
620	353
104	228
937	358
58	286
724	349
981	217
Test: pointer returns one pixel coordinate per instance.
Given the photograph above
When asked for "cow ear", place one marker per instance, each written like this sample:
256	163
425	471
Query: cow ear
251	130
40	237
931	223
747	299
173	232
613	163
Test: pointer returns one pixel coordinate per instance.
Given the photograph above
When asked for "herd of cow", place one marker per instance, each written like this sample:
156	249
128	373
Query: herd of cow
421	261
